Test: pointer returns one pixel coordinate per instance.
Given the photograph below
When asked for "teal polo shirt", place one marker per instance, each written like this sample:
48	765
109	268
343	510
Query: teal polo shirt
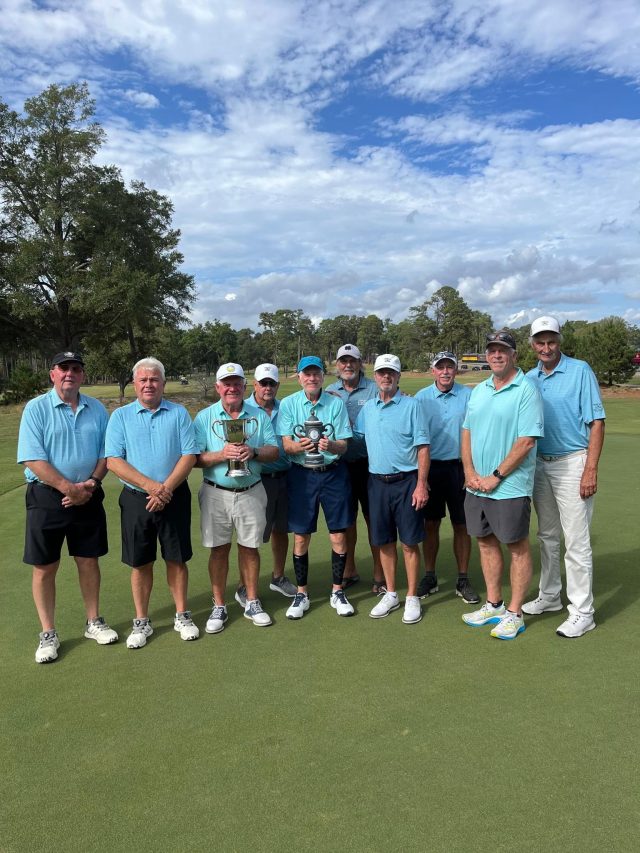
393	431
152	442
354	401
296	408
208	440
571	401
282	462
445	412
50	431
496	419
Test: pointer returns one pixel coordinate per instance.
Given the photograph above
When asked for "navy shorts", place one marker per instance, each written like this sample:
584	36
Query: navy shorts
446	489
309	490
508	520
49	523
392	515
359	479
141	529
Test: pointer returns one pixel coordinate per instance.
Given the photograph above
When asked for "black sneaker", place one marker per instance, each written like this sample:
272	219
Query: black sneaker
428	585
466	592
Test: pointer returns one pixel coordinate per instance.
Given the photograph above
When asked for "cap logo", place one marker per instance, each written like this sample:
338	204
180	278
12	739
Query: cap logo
69	354
230	368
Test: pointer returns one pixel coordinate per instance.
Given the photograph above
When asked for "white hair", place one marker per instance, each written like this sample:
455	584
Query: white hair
149	364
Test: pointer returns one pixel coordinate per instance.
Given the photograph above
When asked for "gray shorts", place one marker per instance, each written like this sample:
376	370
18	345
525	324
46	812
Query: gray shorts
221	511
507	519
277	504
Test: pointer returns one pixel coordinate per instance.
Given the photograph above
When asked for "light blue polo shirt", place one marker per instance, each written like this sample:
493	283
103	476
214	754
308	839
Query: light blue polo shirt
152	442
207	440
296	408
282	462
571	401
354	401
50	431
445	412
496	420
393	432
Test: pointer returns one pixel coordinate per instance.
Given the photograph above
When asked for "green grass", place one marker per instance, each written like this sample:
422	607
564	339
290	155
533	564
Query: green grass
330	734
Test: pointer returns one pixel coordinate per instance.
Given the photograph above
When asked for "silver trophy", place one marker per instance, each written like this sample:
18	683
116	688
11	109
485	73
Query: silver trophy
313	429
236	432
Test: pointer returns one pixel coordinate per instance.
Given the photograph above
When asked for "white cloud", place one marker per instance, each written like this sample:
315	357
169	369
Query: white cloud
144	100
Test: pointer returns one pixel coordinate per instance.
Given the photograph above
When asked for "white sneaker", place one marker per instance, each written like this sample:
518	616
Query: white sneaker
298	606
216	620
387	603
487	615
340	603
412	610
184	624
576	626
98	630
257	615
509	626
48	646
542	605
138	636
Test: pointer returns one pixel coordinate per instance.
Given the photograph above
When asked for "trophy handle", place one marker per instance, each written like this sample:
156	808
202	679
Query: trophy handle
215	431
328	430
299	431
254	423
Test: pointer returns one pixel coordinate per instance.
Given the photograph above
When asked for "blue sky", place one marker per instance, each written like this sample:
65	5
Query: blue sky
353	156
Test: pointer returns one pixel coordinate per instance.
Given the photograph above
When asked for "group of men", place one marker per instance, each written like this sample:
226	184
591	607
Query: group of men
404	460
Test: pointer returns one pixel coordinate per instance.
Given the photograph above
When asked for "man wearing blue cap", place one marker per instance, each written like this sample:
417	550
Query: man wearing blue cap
325	484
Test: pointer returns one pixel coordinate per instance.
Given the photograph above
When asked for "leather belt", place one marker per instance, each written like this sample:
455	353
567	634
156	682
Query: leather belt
229	488
393	478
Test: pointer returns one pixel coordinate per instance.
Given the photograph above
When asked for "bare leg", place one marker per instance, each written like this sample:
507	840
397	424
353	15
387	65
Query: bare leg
389	560
141	586
351	534
178	579
218	571
521	571
378	574
89	579
411	554
461	548
431	544
249	561
43	588
492	566
279	550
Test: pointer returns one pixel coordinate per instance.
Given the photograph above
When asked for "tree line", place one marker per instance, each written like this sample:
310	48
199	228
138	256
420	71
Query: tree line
88	262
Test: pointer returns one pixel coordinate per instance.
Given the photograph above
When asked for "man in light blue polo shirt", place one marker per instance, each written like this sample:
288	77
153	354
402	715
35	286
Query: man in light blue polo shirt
445	404
150	446
355	389
566	477
314	485
504	420
394	427
230	502
61	445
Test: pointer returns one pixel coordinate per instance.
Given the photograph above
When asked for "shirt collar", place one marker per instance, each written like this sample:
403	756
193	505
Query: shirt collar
454	391
58	401
141	408
361	384
395	399
561	366
517	379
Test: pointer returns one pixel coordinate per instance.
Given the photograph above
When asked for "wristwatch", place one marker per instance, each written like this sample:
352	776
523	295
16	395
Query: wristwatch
97	481
497	474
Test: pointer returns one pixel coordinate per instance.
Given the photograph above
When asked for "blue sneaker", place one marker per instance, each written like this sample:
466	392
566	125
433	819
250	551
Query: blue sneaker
487	615
509	626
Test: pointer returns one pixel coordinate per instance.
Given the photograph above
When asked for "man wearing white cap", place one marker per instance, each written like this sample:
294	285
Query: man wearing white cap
566	478
228	503
354	389
274	479
445	404
394	427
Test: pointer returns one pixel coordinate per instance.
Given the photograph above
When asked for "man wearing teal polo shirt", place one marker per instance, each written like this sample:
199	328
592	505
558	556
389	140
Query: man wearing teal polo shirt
445	404
566	477
325	484
229	503
503	421
61	445
150	446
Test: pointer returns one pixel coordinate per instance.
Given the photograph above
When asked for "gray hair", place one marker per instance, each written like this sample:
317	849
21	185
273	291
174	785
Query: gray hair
149	364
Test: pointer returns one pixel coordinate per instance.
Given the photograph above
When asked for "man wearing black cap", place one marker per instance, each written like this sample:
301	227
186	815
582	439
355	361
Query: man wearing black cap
503	422
445	405
61	445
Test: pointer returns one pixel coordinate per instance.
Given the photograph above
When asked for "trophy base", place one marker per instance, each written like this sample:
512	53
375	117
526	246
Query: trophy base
313	460
241	471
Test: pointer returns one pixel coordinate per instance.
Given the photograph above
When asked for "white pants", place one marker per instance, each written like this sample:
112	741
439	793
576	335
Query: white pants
561	511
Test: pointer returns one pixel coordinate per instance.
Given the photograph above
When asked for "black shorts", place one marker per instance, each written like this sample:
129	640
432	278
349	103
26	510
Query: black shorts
392	515
507	519
141	529
446	489
359	478
277	504
49	523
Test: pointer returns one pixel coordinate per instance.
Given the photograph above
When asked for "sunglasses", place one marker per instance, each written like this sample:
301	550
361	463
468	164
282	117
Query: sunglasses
267	383
501	338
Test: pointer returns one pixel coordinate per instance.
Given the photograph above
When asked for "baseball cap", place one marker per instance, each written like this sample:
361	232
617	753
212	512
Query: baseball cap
349	349
502	338
441	356
545	324
61	357
310	361
388	360
267	371
226	371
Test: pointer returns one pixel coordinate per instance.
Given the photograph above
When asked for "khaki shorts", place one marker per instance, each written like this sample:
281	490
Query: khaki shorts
221	511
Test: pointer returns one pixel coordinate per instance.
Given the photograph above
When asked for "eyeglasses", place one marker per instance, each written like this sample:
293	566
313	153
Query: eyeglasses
501	338
267	383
